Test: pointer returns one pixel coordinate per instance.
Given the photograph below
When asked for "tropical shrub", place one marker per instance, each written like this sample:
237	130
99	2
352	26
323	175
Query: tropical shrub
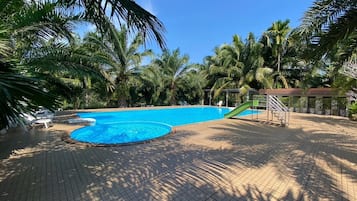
352	111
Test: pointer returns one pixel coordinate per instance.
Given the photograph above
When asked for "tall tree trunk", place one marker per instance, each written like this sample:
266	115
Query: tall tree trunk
279	63
122	90
173	90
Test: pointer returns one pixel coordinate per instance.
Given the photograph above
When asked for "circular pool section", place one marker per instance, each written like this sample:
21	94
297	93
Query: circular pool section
121	132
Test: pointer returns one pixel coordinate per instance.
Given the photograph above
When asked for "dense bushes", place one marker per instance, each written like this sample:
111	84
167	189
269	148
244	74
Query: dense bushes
352	111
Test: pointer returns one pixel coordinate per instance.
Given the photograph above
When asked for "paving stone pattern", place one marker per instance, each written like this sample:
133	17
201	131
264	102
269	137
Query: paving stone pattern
315	158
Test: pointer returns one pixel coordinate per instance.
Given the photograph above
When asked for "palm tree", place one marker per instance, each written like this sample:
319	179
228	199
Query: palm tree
259	75
328	23
277	39
66	68
190	87
174	67
153	85
22	27
239	65
26	25
212	67
228	67
20	94
118	57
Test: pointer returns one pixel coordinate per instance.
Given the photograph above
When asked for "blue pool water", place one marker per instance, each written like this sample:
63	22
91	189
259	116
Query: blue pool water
121	132
140	125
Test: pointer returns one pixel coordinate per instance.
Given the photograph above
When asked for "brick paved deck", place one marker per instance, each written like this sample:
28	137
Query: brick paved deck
315	158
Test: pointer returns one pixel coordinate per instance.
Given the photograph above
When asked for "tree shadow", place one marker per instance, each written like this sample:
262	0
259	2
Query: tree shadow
315	158
263	162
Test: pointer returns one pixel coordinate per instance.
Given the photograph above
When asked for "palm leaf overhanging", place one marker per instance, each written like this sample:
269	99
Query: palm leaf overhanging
329	22
126	12
23	27
20	94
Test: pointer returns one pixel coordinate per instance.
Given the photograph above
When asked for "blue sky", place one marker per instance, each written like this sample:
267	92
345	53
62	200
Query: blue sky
197	27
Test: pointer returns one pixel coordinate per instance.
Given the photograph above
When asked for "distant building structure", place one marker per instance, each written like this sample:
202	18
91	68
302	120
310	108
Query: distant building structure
328	101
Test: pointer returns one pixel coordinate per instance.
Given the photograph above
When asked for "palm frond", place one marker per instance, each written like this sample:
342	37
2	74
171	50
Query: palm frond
21	95
264	76
126	12
42	19
4	42
55	58
327	23
219	85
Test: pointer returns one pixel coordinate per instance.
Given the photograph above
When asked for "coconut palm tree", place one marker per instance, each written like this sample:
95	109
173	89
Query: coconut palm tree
67	67
190	87
19	93
212	67
260	75
228	67
239	65
174	68
26	25
277	40
153	85
118	56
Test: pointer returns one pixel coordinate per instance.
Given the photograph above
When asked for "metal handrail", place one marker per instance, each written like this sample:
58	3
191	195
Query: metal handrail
278	108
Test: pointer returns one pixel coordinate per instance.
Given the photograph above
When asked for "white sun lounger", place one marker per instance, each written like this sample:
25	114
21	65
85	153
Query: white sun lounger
34	120
45	122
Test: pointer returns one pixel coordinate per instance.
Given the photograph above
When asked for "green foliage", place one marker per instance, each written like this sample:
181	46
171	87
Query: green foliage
26	26
42	61
330	23
277	39
352	111
118	57
238	65
20	94
174	68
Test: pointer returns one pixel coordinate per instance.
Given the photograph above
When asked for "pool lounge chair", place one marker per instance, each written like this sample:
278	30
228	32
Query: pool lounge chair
41	117
45	122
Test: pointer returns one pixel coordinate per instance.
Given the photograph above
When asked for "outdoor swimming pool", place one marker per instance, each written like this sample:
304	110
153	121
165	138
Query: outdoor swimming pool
123	127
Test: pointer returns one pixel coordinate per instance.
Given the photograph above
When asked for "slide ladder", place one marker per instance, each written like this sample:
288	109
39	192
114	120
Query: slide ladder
278	109
241	108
